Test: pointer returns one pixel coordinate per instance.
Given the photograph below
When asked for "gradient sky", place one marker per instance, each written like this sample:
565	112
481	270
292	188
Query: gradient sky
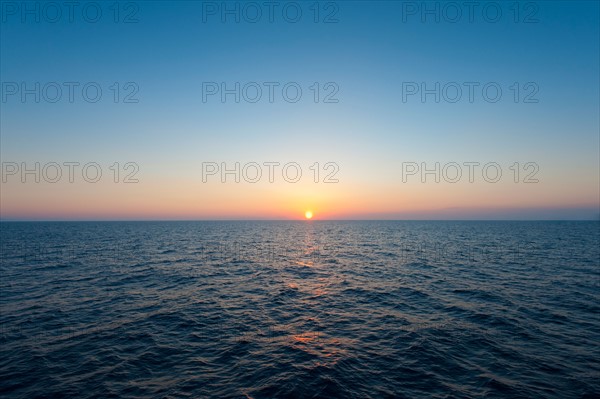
372	49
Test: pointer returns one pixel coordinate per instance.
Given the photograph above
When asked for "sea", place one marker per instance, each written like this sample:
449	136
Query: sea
300	309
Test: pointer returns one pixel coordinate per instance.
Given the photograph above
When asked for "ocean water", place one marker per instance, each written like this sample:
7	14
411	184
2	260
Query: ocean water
300	310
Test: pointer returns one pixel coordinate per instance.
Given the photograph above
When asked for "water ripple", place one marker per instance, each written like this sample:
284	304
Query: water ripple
300	310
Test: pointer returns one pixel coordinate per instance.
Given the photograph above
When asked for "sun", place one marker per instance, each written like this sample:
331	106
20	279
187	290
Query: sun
308	214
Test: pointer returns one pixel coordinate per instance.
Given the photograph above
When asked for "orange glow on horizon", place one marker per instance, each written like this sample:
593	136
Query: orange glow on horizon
177	200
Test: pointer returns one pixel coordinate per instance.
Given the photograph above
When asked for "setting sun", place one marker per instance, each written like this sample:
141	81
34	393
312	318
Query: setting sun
308	214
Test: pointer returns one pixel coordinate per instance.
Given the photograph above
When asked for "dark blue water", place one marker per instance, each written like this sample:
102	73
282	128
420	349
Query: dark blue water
300	309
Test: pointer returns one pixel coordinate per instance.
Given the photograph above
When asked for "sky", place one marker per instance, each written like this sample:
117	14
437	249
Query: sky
151	110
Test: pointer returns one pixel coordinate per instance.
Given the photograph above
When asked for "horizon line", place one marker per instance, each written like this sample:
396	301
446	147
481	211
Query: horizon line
288	220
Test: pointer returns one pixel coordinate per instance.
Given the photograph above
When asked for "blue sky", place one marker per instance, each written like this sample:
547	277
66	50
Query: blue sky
368	54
